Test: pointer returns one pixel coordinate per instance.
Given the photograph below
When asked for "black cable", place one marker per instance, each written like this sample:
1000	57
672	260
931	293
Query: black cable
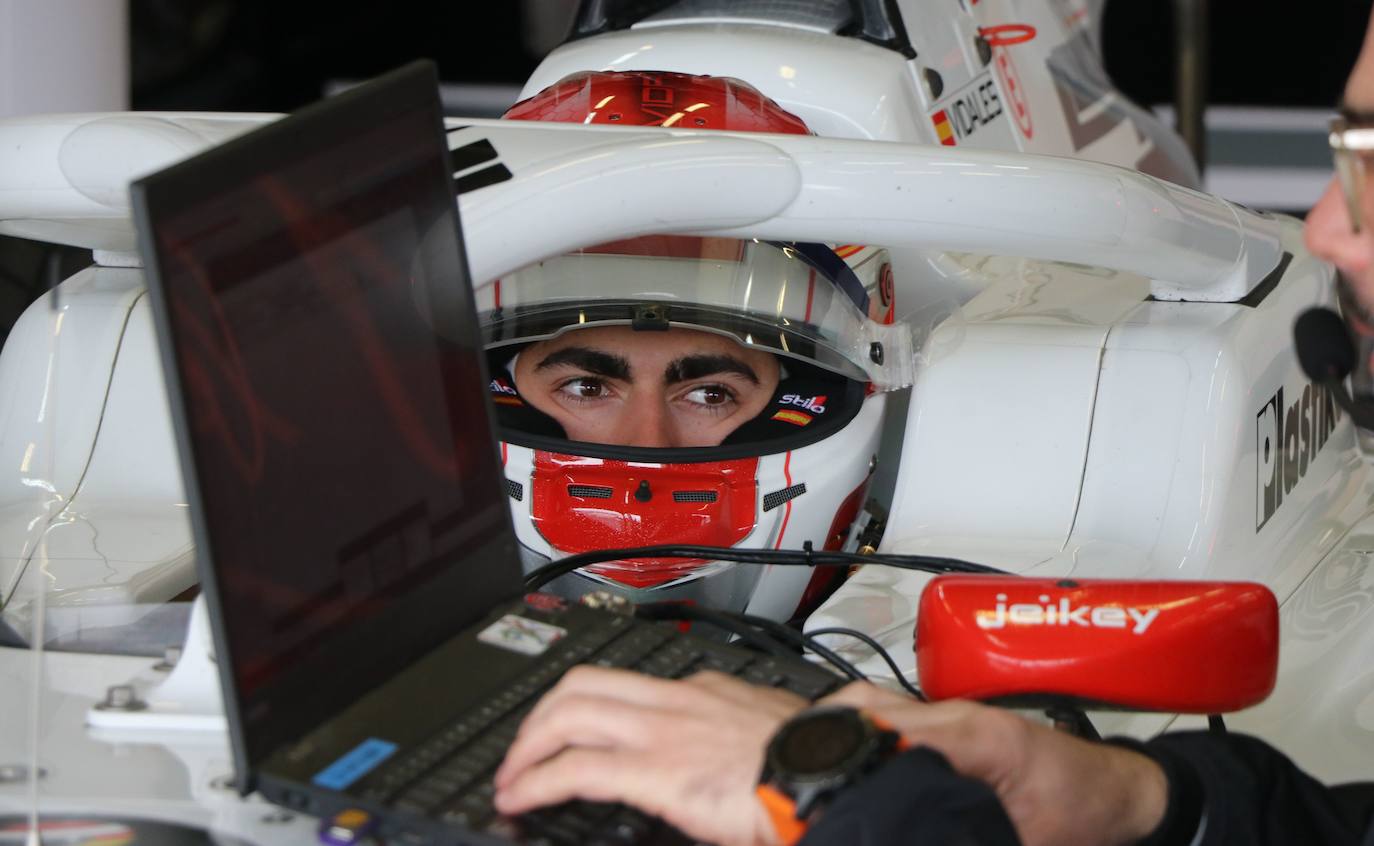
1074	720
677	611
775	638
536	579
796	638
876	647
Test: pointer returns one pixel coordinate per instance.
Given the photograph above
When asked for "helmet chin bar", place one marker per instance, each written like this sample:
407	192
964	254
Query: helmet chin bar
789	497
579	504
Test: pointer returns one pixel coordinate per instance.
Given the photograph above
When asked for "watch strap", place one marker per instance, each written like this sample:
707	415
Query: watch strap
901	744
782	808
782	813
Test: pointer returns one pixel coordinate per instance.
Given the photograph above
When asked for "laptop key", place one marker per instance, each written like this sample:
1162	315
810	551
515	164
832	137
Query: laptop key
669	665
470	811
809	688
629	826
410	806
592	812
729	663
765	676
423	798
503	827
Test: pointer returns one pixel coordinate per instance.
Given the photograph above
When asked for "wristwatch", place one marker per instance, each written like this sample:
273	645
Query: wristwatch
813	757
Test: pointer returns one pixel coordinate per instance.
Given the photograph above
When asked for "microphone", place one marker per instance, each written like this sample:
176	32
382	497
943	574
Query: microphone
1147	645
1327	356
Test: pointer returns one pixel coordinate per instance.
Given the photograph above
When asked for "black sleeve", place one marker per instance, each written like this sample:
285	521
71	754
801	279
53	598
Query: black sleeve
914	799
1248	792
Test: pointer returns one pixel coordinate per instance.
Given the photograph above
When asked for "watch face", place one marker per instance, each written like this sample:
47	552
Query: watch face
821	743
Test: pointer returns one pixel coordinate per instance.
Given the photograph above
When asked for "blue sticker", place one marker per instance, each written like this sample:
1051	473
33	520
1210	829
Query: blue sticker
362	760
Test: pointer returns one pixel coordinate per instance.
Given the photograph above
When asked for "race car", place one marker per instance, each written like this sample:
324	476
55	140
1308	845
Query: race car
1101	378
874	71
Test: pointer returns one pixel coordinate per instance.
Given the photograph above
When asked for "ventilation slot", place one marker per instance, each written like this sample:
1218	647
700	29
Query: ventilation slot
515	490
589	491
694	496
776	498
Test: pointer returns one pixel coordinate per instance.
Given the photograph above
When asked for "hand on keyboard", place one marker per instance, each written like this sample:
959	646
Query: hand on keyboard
687	751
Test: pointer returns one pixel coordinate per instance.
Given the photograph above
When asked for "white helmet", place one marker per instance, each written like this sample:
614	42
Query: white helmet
793	474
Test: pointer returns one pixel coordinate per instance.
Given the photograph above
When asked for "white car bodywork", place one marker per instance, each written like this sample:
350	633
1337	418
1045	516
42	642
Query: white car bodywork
1098	405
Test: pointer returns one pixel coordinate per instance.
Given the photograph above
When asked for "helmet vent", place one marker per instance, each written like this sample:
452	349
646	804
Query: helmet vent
776	498
515	490
590	491
694	496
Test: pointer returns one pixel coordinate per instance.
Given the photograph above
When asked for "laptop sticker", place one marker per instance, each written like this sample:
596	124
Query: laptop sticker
520	634
362	760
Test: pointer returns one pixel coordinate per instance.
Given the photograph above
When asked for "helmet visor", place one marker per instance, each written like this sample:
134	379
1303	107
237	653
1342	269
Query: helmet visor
781	298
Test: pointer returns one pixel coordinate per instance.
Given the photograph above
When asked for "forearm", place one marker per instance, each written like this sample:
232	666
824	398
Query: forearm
1248	792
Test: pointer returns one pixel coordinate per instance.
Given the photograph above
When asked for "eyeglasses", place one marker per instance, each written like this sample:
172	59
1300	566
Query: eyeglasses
1352	140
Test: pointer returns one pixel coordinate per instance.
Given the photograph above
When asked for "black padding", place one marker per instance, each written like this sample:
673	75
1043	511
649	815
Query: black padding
514	416
788	417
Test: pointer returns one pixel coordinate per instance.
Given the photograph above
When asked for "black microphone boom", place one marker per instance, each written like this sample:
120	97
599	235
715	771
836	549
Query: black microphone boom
1327	356
1324	348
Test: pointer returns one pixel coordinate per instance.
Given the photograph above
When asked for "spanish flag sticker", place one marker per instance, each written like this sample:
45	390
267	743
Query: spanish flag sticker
943	129
796	418
504	399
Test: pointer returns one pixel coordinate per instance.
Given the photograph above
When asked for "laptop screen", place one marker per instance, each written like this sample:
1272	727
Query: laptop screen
329	396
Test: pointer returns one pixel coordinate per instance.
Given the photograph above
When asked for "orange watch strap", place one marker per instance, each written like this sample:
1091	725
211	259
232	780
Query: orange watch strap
782	811
883	725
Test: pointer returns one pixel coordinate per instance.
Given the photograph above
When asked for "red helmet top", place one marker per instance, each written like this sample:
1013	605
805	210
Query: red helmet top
656	98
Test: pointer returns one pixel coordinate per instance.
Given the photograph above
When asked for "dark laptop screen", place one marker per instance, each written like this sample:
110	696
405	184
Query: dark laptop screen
342	474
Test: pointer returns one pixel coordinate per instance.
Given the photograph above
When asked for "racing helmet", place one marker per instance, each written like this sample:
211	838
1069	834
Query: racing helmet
794	473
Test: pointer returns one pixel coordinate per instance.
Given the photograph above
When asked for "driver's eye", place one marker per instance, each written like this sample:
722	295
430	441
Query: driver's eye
584	389
711	397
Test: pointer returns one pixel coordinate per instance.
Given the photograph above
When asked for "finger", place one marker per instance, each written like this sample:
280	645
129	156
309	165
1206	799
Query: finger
582	720
622	685
596	775
643	781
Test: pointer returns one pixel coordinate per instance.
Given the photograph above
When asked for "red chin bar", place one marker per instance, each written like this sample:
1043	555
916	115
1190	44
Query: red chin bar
580	504
1171	646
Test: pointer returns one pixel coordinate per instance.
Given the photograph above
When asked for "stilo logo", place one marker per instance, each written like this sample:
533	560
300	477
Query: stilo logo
499	387
1064	614
815	405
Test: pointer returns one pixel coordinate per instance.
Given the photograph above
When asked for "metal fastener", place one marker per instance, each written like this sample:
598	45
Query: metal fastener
18	773
170	656
121	697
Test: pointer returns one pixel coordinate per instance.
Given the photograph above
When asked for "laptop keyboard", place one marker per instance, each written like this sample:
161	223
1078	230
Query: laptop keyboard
449	778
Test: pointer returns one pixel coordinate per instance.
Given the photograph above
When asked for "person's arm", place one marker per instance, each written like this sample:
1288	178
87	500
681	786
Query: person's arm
1245	791
1057	790
691	752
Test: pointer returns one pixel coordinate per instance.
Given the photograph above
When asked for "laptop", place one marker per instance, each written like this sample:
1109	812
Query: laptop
319	338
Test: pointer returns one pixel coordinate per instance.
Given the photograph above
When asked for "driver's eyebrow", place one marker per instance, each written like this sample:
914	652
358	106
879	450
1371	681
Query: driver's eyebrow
596	362
697	366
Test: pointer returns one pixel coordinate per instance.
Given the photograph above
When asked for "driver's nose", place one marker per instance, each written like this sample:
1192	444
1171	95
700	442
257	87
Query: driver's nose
1329	236
651	425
